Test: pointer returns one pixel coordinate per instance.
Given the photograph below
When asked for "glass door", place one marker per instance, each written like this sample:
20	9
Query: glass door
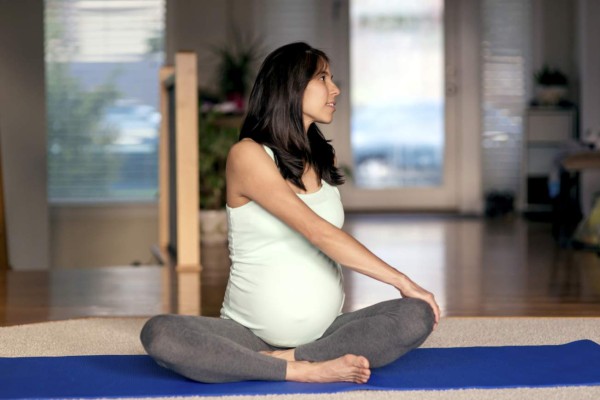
400	147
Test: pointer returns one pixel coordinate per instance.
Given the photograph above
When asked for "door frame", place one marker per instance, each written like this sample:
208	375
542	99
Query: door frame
462	152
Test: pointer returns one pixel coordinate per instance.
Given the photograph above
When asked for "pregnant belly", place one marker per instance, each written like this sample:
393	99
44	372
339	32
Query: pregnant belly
290	306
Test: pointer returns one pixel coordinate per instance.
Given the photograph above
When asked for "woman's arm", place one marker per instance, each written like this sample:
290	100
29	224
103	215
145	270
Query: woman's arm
251	174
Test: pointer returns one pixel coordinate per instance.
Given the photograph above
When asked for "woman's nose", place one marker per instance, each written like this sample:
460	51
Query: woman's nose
334	89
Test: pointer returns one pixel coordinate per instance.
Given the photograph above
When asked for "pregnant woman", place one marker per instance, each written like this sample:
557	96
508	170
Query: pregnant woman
281	317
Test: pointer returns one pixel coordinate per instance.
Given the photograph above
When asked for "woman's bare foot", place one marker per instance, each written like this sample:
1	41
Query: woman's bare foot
287	355
348	368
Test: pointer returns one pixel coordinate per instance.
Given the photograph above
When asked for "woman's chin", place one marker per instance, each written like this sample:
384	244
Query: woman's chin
326	120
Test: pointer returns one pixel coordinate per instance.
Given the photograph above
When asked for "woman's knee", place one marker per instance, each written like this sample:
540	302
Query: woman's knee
413	320
422	318
155	333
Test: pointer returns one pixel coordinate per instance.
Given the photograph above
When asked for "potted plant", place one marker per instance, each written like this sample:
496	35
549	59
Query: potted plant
219	130
236	66
217	135
551	86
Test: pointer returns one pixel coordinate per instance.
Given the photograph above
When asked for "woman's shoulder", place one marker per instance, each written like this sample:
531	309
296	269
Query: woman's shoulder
248	151
249	148
245	144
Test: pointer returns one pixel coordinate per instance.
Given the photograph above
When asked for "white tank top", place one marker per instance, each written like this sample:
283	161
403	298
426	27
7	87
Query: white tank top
281	287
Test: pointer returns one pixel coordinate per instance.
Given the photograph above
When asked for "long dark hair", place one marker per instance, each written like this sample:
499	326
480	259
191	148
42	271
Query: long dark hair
274	116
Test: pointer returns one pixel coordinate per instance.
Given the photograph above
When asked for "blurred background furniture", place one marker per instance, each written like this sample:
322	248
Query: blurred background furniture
570	205
575	225
548	130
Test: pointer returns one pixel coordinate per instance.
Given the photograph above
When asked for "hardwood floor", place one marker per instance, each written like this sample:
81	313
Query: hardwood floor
476	267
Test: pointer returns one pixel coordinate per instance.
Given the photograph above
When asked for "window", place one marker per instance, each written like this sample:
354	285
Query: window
102	61
397	80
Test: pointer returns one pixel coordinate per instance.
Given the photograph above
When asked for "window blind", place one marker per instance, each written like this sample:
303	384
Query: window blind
102	59
506	55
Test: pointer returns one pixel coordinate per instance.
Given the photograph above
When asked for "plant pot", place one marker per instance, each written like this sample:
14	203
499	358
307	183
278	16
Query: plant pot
213	226
551	95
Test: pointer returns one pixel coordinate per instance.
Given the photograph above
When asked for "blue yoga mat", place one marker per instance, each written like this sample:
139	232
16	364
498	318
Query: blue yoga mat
576	363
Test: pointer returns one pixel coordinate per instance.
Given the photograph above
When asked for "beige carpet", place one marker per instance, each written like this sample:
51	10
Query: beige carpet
120	336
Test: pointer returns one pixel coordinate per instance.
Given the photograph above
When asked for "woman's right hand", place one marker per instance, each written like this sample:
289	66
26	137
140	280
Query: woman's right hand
408	288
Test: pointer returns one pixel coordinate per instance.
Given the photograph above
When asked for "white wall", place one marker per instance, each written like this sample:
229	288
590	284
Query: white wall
199	26
103	235
23	132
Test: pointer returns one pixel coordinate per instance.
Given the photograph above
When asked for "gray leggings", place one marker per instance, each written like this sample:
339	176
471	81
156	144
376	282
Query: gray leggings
209	349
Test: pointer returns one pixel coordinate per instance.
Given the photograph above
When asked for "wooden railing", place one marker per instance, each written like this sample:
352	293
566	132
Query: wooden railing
178	199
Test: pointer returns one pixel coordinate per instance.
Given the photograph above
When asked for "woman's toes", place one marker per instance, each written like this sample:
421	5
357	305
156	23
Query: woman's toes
363	362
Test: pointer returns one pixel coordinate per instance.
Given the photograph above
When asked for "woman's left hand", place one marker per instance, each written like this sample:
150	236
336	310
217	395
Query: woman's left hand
408	288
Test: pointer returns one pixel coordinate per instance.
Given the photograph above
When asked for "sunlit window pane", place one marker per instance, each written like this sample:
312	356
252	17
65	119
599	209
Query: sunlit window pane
397	79
102	60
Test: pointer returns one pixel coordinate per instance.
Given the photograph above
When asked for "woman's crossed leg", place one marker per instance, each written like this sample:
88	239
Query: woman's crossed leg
220	350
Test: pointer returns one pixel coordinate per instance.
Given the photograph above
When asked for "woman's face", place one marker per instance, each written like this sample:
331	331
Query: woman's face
318	103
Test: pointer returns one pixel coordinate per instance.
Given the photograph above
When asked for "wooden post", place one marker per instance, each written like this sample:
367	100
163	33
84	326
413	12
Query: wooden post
188	188
186	103
183	79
